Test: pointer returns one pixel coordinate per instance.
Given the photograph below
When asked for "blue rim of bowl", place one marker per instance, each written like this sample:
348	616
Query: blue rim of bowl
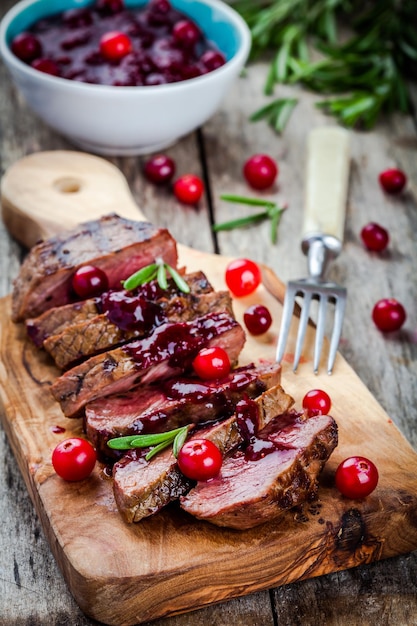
232	19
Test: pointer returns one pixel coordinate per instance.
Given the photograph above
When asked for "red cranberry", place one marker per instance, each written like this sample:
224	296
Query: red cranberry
26	47
260	171
212	59
392	180
242	277
160	6
78	38
374	237
109	7
257	319
317	402
212	363
77	18
169	60
188	189
388	315
155	78
89	281
160	169
190	71
115	45
186	33
157	43
46	65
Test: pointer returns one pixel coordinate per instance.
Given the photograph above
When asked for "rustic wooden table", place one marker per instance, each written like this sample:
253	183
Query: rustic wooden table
32	590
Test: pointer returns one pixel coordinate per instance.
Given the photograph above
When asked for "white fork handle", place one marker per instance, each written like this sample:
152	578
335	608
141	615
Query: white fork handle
327	178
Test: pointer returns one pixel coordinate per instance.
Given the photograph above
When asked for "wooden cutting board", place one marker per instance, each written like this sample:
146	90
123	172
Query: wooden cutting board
171	563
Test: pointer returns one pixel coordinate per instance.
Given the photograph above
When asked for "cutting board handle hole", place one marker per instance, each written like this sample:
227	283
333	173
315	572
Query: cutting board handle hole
67	184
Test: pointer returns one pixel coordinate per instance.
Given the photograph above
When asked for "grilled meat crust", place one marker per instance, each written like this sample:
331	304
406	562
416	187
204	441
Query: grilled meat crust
98	333
58	319
159	408
142	488
114	244
167	352
249	493
121	386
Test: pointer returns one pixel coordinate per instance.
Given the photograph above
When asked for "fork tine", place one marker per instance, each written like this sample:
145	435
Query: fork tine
337	329
302	327
287	312
321	323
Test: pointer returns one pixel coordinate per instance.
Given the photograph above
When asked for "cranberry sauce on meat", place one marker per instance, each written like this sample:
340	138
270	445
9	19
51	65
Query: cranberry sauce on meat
142	488
168	352
130	312
115	245
113	304
248	493
178	343
98	334
173	403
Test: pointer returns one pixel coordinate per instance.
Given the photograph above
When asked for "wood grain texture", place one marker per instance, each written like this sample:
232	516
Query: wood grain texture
97	552
382	593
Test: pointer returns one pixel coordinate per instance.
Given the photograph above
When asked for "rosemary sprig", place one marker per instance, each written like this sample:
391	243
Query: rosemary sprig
156	442
273	212
361	77
276	113
158	271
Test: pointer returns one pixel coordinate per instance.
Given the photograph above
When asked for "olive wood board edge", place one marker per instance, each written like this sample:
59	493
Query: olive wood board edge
172	563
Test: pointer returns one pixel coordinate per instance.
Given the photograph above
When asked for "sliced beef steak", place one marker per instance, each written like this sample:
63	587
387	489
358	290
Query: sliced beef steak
249	492
174	403
57	319
134	317
142	488
116	245
168	352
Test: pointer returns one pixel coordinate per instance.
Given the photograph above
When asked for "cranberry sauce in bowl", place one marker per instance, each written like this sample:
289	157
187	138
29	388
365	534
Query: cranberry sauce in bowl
137	85
108	43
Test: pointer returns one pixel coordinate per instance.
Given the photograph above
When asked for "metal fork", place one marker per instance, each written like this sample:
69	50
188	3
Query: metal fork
327	175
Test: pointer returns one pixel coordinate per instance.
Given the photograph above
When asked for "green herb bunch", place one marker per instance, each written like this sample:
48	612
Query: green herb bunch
361	76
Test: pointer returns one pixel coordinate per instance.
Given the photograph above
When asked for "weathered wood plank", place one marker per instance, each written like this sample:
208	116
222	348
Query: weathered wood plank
383	592
31	586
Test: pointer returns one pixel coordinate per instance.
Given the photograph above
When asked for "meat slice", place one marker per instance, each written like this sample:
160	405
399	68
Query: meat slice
251	492
57	319
142	488
114	244
174	403
167	352
99	333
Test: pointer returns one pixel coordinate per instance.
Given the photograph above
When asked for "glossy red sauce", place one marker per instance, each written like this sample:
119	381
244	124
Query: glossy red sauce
156	45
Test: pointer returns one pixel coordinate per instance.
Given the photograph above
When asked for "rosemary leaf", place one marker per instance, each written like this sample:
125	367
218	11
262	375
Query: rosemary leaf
142	276
178	279
275	218
273	212
240	222
277	113
271	79
156	270
154	451
283	113
121	443
246	200
143	441
381	49
179	440
161	276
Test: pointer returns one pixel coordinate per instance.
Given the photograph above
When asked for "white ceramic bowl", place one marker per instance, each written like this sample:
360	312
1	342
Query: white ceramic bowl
128	120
